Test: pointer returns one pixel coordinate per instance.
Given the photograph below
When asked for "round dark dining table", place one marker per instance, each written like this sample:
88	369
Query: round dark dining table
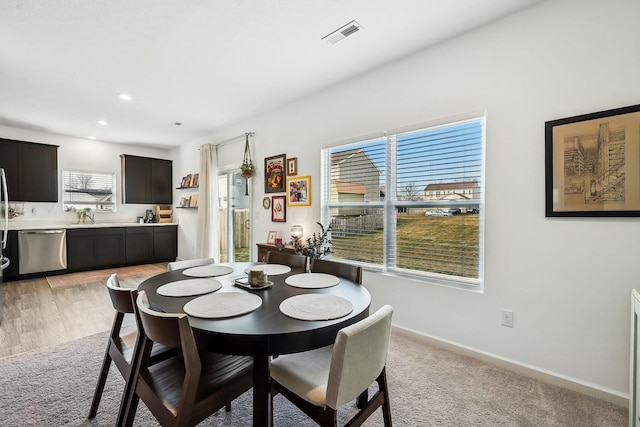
264	332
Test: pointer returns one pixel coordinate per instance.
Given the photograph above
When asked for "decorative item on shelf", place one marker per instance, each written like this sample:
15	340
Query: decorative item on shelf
271	237
247	167
189	181
316	246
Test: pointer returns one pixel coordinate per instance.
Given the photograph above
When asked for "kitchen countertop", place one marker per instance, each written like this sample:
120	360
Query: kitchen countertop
49	225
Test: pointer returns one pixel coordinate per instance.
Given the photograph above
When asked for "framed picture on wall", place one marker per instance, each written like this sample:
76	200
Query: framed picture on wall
299	191
275	173
278	209
292	166
592	164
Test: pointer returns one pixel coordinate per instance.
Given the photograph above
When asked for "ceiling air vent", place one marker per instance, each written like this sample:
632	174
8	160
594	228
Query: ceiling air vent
342	32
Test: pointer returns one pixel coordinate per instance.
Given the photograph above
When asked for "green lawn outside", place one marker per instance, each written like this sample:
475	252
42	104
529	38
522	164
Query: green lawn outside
446	245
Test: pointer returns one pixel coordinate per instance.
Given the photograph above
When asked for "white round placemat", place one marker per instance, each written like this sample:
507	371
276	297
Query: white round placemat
271	269
312	280
209	270
316	307
189	288
218	306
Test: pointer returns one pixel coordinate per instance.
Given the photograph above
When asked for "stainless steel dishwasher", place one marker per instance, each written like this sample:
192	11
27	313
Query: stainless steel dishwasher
42	250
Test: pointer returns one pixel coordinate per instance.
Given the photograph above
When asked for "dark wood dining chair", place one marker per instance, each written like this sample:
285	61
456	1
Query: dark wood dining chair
182	390
340	269
294	261
121	343
186	263
321	381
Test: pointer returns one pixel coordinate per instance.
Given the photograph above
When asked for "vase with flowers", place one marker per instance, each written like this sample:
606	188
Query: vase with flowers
316	246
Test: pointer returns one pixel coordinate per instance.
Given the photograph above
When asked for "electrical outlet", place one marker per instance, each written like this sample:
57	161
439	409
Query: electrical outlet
507	318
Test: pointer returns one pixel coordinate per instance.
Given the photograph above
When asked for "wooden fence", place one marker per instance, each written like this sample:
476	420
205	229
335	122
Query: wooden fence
241	232
345	226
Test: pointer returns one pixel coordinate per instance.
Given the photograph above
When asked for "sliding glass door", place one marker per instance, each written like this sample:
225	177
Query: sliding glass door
234	217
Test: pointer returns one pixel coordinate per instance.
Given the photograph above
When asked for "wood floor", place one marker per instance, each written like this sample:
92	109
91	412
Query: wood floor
36	316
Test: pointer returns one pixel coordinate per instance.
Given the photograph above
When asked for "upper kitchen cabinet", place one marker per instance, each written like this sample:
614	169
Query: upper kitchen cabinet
146	180
32	170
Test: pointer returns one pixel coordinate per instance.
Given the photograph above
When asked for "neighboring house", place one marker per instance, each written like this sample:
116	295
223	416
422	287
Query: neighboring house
452	191
354	178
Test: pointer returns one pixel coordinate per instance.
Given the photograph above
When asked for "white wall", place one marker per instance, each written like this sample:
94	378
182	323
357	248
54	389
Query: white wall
82	154
568	281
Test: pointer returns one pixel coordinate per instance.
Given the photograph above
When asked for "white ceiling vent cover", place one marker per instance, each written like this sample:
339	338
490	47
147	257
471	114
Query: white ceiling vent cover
342	32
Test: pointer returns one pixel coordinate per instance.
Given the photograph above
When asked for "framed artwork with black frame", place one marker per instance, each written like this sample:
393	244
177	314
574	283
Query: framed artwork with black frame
278	209
275	173
592	164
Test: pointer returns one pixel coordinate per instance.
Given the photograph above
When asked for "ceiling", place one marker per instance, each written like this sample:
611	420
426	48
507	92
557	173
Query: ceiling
202	63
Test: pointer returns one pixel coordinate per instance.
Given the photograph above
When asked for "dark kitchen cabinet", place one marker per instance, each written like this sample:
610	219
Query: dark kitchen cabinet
165	243
139	245
146	180
94	248
32	170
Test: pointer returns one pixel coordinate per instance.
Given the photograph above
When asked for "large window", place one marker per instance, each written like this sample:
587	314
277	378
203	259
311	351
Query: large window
410	202
85	189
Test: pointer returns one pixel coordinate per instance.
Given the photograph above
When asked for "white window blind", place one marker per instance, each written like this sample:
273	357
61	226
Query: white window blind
410	202
85	189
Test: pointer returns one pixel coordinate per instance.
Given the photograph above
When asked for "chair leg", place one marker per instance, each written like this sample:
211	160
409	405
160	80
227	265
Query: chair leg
227	407
386	407
102	379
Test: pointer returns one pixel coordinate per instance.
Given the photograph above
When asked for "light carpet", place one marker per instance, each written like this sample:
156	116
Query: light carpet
429	386
75	279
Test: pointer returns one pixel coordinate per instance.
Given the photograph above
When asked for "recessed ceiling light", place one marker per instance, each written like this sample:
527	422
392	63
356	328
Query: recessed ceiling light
125	96
102	122
91	137
342	32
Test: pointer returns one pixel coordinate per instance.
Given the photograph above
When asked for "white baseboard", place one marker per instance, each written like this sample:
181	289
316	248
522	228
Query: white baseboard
559	380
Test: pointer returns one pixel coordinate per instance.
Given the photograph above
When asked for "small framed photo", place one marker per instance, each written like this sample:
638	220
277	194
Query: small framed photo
271	237
292	166
299	191
275	173
278	209
592	166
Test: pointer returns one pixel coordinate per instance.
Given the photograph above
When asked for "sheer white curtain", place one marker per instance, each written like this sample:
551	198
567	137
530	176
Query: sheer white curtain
208	223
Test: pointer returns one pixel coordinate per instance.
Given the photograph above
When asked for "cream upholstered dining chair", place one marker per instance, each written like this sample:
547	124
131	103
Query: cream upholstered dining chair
176	265
292	260
320	381
182	390
120	347
340	269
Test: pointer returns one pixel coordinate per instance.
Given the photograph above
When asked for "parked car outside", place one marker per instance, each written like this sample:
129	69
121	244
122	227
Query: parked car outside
438	212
